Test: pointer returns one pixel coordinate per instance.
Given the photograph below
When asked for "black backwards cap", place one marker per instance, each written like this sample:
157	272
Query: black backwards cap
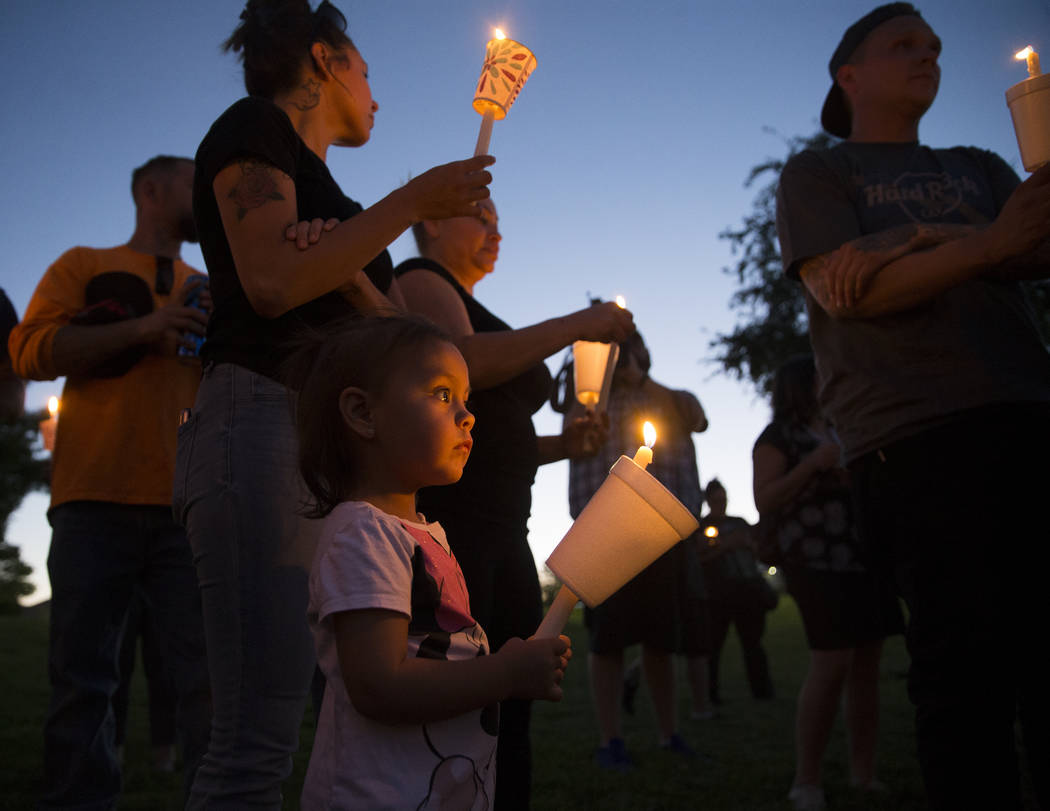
835	116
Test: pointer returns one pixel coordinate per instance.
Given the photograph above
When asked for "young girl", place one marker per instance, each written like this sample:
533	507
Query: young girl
410	713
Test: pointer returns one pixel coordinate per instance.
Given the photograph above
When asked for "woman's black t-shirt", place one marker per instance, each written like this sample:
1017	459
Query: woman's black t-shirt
258	129
497	480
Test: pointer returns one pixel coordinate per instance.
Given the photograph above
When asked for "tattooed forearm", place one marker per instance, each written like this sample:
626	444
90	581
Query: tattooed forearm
256	187
816	281
307	95
889	238
926	235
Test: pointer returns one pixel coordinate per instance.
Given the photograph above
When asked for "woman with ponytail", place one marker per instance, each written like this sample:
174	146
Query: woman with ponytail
260	170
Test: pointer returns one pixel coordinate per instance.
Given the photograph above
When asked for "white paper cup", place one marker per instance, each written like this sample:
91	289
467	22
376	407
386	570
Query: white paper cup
1029	103
592	368
627	524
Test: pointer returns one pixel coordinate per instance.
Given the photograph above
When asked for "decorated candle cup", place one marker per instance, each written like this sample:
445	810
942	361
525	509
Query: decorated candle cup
1029	103
506	69
629	522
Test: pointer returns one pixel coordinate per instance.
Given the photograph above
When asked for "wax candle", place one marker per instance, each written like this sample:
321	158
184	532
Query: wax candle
644	455
1032	58
49	426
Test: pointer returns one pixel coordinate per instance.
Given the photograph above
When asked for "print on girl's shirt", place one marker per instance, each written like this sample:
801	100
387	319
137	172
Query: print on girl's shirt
439	592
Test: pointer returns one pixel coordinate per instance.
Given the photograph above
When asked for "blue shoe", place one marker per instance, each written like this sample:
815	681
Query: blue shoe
614	757
678	746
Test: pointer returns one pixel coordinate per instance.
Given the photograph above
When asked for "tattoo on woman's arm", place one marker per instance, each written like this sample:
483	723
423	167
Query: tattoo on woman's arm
256	187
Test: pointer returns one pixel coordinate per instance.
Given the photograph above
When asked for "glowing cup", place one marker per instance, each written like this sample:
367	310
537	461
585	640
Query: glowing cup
1029	103
630	522
593	365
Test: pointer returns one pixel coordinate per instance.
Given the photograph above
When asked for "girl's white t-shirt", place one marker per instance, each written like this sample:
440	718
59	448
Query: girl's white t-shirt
367	558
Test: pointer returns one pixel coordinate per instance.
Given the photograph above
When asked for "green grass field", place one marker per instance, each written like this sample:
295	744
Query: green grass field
750	745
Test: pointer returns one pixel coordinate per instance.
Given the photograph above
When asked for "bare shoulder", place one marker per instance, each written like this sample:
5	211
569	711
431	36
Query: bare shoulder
428	294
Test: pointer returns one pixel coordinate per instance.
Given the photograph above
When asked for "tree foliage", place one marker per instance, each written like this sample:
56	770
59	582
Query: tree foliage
20	473
771	308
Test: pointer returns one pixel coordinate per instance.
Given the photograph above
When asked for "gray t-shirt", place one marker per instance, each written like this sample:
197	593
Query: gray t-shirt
890	377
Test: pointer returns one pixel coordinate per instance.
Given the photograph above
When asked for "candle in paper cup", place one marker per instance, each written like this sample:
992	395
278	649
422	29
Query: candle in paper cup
629	522
644	455
593	364
49	426
1029	103
508	65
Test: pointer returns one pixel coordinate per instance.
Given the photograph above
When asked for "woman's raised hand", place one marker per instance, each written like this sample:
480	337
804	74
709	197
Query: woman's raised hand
450	190
608	322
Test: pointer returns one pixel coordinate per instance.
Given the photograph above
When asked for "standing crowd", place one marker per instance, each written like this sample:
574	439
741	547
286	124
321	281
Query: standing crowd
340	476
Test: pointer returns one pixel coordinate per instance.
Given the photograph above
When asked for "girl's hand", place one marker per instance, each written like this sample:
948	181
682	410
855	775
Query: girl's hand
308	232
450	190
536	667
607	322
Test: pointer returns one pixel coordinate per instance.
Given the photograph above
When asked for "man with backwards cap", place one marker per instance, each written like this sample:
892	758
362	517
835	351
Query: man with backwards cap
933	370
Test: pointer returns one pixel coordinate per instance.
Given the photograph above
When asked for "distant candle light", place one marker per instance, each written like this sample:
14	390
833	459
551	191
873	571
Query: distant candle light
52	406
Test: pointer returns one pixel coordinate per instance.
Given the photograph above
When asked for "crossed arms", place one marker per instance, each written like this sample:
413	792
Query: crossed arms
896	269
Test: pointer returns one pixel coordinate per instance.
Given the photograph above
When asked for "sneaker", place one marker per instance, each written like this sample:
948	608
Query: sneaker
614	757
807	797
678	746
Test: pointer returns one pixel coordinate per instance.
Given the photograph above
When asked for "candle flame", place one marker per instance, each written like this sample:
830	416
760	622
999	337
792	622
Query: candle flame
711	532
52	406
649	432
498	33
621	302
1024	54
771	571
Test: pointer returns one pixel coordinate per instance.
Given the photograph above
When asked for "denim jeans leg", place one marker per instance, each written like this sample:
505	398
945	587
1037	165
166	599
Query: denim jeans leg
238	492
169	583
92	564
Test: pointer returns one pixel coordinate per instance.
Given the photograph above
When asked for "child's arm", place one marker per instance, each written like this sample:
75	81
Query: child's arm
387	686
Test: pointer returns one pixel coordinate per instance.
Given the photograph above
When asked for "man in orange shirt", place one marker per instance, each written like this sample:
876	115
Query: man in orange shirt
112	322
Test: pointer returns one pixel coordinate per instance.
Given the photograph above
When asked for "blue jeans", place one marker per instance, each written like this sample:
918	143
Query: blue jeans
99	553
237	492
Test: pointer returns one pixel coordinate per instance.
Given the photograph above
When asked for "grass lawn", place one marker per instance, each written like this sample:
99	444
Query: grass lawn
750	745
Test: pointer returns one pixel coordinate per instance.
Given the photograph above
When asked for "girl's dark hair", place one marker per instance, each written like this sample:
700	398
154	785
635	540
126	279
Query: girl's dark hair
274	39
357	352
795	391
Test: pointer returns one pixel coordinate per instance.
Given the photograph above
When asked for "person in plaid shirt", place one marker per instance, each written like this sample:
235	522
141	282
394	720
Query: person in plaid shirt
651	609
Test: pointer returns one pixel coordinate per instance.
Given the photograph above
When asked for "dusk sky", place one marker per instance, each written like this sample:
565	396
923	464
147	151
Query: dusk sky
617	168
